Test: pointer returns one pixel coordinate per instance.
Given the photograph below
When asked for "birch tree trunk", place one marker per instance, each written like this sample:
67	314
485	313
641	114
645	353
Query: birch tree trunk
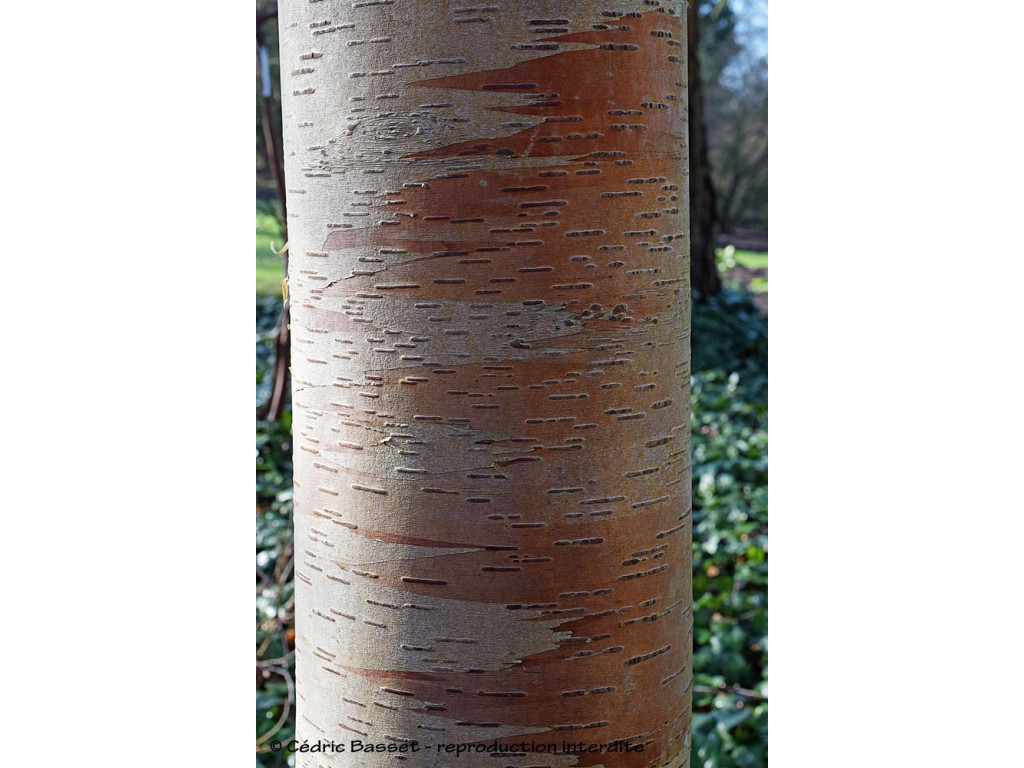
488	219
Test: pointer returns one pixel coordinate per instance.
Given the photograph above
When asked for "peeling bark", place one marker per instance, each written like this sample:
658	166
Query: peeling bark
488	218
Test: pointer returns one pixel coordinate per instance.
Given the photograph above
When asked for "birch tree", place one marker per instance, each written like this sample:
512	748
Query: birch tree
488	219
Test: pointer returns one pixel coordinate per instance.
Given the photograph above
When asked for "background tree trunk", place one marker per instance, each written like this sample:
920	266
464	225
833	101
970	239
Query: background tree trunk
703	272
490	325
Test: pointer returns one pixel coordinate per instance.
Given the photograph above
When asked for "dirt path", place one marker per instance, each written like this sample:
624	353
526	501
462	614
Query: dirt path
744	240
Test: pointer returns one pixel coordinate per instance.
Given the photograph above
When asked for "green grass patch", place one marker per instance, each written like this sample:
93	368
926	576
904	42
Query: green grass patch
752	259
729	257
269	266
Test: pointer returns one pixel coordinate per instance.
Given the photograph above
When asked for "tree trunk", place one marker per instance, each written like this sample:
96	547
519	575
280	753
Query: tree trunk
490	328
703	272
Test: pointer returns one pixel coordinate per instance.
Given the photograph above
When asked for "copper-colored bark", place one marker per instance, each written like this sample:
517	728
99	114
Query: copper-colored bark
491	396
